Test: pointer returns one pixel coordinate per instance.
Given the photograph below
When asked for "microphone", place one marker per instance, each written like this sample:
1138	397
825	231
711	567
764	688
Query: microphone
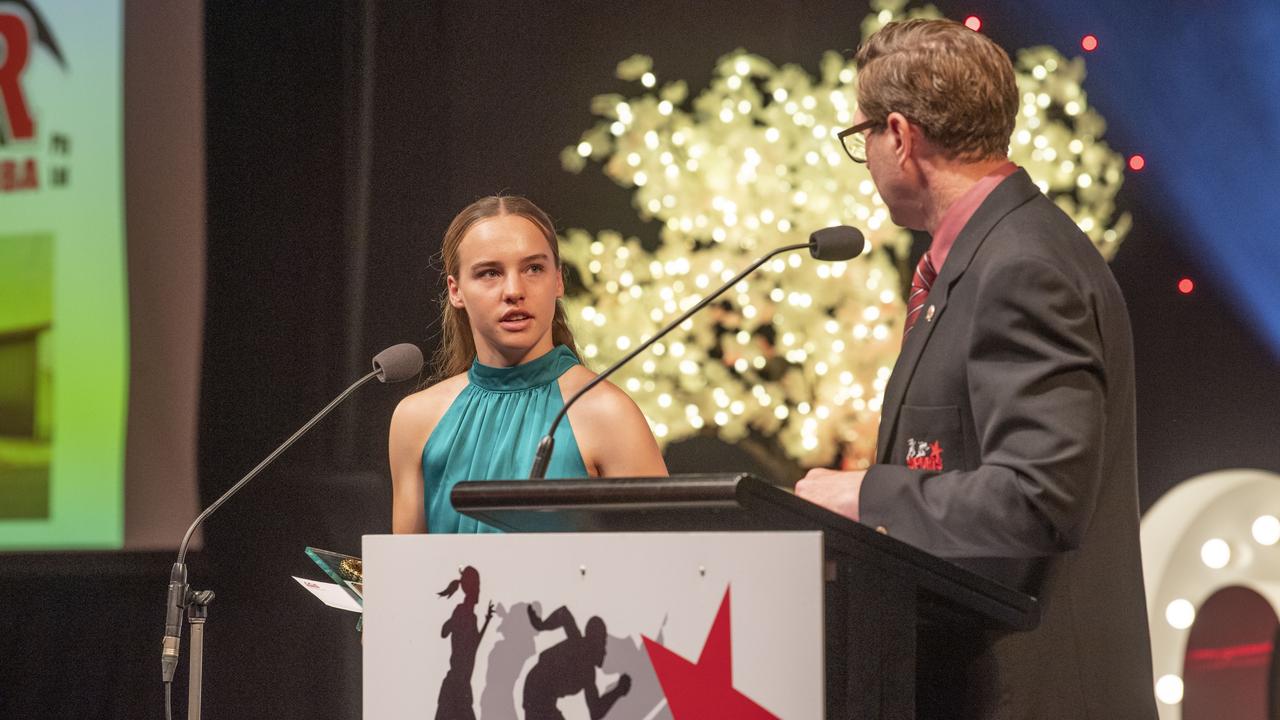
396	363
840	242
837	243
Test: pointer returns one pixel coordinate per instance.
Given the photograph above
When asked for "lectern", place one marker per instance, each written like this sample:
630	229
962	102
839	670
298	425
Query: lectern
896	619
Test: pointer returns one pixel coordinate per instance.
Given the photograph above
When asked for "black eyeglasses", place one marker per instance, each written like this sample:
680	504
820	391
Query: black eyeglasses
854	142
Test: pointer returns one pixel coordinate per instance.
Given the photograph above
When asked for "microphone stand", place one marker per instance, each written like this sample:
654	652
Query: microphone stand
543	455
196	602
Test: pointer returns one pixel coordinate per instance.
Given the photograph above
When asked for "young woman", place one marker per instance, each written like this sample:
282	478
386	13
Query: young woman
506	362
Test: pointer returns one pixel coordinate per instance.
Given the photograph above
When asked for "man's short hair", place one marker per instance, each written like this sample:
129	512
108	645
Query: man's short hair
956	84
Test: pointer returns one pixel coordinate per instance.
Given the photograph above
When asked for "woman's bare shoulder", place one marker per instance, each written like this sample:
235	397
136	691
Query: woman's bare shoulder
424	408
613	434
602	402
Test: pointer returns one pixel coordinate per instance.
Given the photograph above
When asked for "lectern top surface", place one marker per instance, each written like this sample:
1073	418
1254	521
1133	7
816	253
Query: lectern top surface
726	502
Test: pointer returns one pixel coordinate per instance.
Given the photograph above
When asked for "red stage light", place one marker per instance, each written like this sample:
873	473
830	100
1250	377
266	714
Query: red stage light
1137	162
1089	43
973	22
1185	286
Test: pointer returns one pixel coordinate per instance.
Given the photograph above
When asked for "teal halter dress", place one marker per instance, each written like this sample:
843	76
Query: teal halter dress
491	432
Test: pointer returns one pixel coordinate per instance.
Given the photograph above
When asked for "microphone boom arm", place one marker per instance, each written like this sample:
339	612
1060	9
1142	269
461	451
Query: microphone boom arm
543	455
394	364
182	550
178	588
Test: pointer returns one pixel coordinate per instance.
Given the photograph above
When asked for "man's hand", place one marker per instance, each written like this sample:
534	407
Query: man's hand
835	490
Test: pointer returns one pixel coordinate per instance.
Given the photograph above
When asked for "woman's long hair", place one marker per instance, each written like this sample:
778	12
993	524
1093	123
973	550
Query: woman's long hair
457	346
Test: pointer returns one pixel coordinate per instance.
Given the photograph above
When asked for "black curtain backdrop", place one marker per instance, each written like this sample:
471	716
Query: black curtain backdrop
468	99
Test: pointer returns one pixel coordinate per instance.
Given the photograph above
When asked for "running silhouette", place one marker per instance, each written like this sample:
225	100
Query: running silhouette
455	698
513	648
568	668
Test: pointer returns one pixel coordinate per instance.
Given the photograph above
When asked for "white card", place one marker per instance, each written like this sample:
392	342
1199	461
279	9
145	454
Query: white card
330	594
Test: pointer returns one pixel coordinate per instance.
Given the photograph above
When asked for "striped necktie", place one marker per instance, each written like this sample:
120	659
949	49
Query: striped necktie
921	282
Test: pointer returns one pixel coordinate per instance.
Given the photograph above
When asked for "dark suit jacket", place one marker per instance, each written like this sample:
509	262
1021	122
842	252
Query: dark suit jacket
1013	400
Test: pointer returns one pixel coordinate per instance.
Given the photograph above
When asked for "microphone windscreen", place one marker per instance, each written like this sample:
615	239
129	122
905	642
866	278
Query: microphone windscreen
398	362
837	243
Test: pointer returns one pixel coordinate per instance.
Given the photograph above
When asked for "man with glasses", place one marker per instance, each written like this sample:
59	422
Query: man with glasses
1007	431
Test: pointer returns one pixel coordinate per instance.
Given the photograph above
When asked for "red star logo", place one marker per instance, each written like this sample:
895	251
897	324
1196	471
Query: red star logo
704	690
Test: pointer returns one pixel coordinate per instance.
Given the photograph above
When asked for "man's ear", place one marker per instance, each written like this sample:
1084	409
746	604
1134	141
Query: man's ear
455	295
904	136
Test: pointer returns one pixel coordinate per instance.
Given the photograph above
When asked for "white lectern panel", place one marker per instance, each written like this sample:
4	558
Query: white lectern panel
739	614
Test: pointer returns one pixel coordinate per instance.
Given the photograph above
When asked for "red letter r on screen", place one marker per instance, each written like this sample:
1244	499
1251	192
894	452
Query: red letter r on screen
15	48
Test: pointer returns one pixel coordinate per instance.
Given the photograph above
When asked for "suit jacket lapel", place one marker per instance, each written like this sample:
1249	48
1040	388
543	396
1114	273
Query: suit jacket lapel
912	347
1009	194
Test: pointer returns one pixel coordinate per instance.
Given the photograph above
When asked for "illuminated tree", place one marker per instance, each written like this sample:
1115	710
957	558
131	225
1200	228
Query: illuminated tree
797	356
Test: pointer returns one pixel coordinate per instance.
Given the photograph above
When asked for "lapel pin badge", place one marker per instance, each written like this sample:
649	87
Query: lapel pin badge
928	314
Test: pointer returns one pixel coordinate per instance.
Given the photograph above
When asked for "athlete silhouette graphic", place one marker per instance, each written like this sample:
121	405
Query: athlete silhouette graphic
568	668
456	697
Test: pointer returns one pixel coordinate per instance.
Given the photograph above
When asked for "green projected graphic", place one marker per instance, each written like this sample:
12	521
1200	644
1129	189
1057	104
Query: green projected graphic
63	315
26	329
